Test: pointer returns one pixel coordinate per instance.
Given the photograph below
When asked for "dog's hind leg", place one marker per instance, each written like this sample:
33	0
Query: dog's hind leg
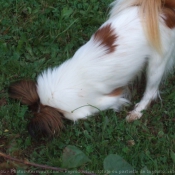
155	71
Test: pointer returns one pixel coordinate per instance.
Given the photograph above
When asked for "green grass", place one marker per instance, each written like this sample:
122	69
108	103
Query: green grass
37	34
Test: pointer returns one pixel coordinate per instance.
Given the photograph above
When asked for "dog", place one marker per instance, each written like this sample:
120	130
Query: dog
139	34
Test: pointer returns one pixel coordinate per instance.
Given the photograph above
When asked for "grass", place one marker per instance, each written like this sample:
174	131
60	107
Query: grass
37	34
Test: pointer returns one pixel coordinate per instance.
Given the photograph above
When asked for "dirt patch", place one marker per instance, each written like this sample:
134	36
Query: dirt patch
3	102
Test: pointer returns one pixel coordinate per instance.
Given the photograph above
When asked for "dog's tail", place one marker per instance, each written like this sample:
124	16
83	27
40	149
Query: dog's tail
47	121
149	12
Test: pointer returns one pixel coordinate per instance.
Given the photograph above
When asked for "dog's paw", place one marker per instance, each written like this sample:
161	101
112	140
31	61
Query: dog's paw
133	115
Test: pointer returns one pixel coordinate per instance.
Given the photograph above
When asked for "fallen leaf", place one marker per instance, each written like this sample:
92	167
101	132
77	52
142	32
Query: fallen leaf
73	157
115	164
131	142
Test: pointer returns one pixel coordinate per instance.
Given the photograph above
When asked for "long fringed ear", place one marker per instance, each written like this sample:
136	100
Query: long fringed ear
46	123
26	92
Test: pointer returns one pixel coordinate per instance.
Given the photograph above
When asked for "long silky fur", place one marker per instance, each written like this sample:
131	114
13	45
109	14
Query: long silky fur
24	91
46	121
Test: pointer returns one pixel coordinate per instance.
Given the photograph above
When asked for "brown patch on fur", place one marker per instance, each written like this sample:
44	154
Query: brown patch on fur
116	92
168	3
24	91
168	10
107	37
47	122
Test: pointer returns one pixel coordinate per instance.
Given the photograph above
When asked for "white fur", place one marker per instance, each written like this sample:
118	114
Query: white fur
80	86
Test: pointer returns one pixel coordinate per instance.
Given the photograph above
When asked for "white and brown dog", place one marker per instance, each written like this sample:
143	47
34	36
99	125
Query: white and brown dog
138	34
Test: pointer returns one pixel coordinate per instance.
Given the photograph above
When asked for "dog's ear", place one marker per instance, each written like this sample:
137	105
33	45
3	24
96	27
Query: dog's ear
47	122
25	91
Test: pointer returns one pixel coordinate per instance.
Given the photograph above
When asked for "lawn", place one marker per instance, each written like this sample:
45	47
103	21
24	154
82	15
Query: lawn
38	34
